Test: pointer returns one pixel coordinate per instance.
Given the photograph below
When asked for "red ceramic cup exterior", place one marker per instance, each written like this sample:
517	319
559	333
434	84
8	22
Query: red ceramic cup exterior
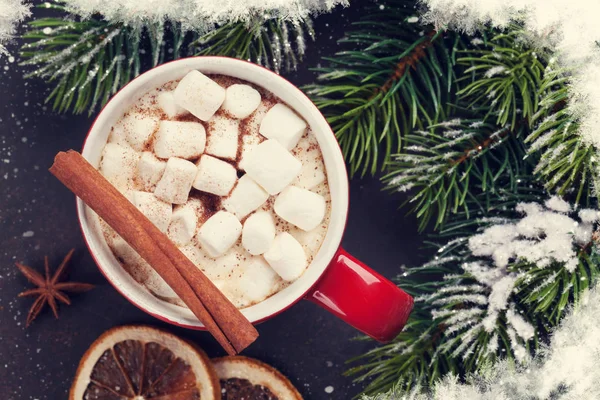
363	298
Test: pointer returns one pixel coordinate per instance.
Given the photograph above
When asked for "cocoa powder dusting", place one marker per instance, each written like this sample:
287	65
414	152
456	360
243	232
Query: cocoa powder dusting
211	202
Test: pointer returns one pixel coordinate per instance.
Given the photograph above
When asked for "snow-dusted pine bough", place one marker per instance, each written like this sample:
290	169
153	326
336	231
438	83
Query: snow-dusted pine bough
494	290
90	49
566	369
514	255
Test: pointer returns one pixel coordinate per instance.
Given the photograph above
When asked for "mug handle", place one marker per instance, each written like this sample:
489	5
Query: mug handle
362	298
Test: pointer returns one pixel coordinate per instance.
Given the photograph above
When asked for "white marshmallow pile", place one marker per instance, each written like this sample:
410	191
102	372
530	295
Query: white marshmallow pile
160	161
258	280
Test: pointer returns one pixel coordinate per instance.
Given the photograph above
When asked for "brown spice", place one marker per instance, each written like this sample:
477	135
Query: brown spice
221	318
49	288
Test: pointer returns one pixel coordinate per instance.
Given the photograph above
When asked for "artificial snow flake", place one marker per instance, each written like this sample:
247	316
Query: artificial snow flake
570	28
541	237
11	13
567	369
498	69
200	15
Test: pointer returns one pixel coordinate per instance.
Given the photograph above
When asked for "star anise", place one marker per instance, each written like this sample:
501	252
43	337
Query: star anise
49	289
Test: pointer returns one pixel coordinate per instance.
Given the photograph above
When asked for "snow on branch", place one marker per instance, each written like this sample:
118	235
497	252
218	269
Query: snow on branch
570	28
11	13
543	236
569	368
200	15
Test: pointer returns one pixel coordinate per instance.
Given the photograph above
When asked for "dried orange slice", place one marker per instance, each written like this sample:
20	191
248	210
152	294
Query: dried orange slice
140	363
249	379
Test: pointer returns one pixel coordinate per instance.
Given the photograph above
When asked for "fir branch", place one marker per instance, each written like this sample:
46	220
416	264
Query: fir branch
275	43
397	79
567	368
567	163
456	288
88	60
453	162
504	75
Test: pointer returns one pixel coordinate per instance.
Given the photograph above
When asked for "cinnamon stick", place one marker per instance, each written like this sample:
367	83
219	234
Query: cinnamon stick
222	319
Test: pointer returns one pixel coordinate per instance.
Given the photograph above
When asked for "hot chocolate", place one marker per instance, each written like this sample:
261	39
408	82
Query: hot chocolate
231	174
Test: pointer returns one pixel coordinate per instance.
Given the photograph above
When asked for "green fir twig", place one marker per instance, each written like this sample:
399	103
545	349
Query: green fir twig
399	76
447	166
444	334
88	60
275	43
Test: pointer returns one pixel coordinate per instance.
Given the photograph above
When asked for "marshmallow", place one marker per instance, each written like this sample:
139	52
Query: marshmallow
166	101
215	176
118	164
283	125
149	170
117	136
176	182
258	281
241	100
198	206
219	233
272	166
156	210
183	225
199	94
286	256
223	137
312	173
300	207
137	129
258	233
246	197
252	137
179	139
249	143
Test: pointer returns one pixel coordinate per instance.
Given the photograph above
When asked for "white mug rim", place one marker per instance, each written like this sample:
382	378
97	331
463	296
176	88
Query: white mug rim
336	174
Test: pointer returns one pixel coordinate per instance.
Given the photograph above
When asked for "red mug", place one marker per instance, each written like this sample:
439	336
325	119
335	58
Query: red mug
334	279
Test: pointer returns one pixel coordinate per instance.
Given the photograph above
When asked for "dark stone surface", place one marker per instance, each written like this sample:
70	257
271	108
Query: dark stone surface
305	343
